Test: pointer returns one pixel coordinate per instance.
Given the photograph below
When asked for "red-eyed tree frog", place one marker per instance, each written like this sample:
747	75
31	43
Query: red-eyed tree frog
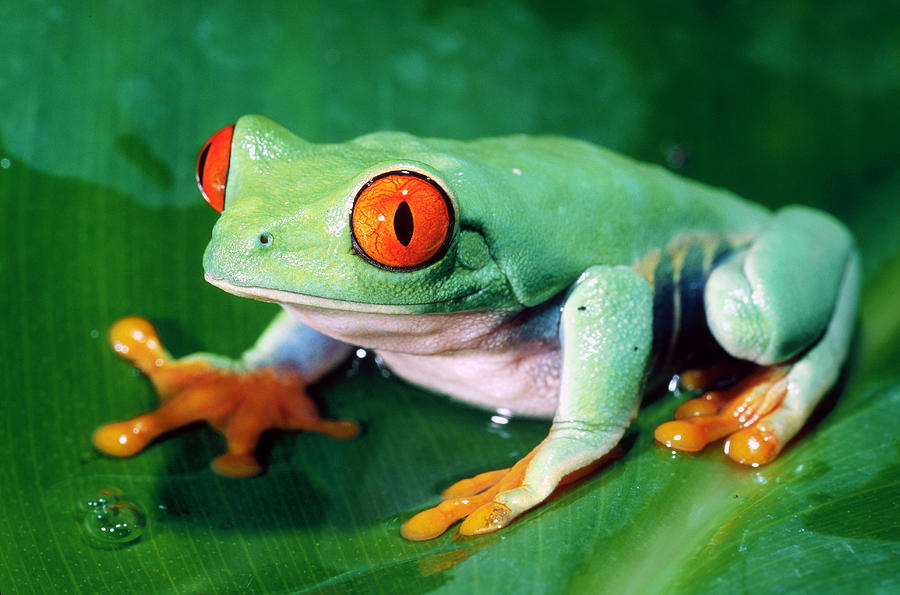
545	276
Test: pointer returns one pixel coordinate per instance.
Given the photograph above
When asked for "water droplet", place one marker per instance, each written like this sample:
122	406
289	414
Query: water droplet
673	383
108	521
382	367
99	499
676	155
5	163
501	416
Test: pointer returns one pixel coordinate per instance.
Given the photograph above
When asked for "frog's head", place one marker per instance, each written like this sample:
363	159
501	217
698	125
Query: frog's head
377	224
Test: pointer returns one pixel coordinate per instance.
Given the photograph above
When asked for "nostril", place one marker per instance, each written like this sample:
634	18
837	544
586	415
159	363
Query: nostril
265	239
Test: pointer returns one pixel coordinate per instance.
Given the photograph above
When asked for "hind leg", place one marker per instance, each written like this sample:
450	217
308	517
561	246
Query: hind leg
788	303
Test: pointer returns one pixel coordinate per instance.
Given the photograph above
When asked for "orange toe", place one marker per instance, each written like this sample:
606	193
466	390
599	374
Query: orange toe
708	403
680	435
425	525
694	433
122	439
342	429
486	519
236	465
753	446
473	485
697	379
135	339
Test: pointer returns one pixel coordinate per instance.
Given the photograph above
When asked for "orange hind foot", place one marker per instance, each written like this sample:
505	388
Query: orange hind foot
739	412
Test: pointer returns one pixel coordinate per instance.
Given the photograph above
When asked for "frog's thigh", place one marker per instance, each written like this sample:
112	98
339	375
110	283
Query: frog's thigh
771	301
796	286
606	335
808	380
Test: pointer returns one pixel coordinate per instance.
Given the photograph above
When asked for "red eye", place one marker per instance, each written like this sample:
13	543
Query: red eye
402	220
212	167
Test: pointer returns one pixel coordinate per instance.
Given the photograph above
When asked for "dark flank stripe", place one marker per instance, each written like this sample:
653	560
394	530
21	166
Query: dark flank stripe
680	331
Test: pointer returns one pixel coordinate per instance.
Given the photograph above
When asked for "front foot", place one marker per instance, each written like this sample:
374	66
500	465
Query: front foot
490	501
471	499
240	404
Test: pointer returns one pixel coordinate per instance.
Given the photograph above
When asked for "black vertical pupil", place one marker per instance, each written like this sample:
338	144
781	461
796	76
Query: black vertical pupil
201	164
403	223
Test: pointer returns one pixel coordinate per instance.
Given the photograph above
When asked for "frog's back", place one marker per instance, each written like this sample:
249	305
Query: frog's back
568	205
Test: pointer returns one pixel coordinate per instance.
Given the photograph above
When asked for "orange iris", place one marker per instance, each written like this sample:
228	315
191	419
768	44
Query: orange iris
212	167
401	220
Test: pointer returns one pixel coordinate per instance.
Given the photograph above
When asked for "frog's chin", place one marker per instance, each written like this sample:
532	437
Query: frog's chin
281	296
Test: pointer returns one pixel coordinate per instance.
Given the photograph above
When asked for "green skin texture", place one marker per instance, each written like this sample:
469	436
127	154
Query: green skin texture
536	217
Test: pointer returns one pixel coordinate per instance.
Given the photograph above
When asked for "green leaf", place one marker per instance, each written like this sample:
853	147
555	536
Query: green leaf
104	110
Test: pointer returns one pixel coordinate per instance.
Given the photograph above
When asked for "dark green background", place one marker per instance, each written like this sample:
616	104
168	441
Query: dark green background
103	111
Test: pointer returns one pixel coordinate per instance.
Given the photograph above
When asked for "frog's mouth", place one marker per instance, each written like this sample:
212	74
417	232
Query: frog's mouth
280	296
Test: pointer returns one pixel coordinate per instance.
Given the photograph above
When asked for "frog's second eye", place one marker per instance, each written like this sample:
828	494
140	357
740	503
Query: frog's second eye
402	220
212	167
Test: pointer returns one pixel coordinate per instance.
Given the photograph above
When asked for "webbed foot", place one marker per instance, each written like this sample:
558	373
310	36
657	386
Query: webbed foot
488	501
471	498
241	404
743	412
787	303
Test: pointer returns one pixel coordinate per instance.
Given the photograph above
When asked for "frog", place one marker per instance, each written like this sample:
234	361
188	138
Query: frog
541	276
